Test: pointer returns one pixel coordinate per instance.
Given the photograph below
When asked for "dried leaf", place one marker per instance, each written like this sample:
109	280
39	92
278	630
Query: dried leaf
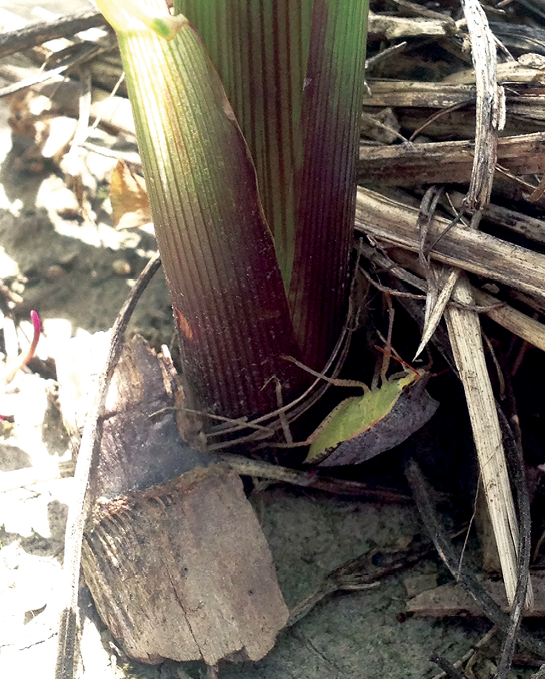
129	196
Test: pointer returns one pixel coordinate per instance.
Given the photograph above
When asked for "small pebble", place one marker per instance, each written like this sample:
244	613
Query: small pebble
121	267
54	272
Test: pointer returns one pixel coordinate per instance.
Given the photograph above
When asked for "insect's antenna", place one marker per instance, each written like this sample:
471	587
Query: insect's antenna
397	357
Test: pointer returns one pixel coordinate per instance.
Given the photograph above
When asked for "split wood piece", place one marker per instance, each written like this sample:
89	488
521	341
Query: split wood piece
465	335
445	162
452	600
473	251
183	571
140	443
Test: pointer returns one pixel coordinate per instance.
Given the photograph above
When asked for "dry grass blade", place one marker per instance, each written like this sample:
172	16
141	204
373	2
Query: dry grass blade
464	326
445	279
441	281
465	336
517	322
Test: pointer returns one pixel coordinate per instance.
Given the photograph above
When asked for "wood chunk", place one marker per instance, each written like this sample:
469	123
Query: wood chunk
183	571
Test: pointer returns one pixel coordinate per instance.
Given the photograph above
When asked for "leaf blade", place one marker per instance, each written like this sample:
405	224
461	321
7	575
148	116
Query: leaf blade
325	183
293	70
260	51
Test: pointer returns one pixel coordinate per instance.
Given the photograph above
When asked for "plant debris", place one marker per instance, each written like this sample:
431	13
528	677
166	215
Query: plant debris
455	100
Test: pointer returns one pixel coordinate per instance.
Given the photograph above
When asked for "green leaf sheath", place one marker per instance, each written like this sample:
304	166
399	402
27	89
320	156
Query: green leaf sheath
217	251
294	73
260	48
325	184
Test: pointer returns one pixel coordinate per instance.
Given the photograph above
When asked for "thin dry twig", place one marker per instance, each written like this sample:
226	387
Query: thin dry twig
479	308
359	573
447	667
39	32
86	52
430	518
490	110
472	651
263	470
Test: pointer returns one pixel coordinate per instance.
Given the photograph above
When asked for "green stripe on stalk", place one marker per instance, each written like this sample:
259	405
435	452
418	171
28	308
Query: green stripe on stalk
259	48
217	251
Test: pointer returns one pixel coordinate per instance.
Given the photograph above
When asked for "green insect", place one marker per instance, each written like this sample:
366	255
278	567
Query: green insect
361	427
